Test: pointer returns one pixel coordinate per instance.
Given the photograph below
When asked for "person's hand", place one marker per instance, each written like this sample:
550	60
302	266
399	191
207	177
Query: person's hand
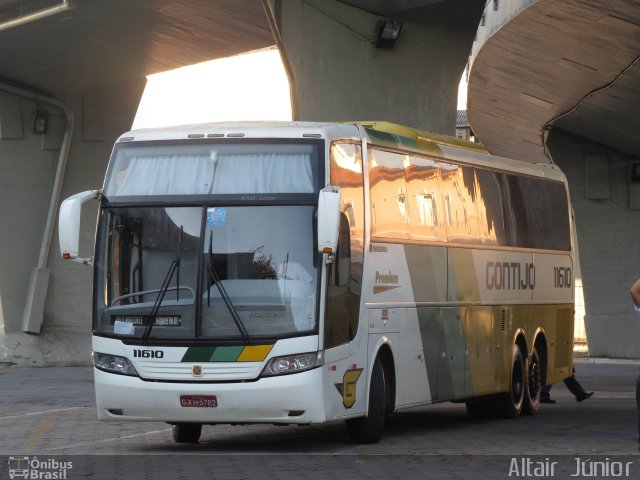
635	293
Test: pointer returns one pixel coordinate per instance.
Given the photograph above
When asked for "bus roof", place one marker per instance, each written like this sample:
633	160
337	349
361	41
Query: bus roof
391	135
256	129
422	137
384	134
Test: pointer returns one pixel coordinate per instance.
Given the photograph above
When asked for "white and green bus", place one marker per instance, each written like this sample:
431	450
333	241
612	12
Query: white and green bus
298	273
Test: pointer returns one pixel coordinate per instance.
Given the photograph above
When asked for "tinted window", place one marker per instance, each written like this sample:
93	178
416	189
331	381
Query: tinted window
459	191
516	213
427	209
545	213
426	200
490	206
389	202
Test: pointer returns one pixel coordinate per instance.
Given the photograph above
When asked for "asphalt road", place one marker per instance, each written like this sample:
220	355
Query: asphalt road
49	414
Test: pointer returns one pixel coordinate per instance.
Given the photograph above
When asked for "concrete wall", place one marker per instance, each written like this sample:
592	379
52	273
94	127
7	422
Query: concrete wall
26	174
341	76
609	240
26	178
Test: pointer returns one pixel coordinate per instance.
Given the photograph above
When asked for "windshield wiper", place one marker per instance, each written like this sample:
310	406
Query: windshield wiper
175	266
212	273
285	268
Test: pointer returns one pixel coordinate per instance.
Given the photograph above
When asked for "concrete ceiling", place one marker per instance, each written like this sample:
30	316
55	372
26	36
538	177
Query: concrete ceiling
389	7
102	42
568	64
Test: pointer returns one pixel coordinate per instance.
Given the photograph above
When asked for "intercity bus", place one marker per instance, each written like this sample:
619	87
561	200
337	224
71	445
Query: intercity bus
299	273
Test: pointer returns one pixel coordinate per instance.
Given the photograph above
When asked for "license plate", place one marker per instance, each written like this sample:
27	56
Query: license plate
198	401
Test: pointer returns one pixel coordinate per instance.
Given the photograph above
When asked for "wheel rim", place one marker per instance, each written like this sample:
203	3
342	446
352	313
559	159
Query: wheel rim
535	378
517	381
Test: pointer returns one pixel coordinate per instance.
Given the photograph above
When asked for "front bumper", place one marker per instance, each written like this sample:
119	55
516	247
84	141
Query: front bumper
278	399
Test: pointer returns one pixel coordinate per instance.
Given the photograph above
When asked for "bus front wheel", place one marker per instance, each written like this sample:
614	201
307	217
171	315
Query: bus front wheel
369	429
187	432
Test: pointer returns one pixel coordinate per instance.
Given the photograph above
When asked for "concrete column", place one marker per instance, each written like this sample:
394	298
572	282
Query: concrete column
27	167
608	230
341	76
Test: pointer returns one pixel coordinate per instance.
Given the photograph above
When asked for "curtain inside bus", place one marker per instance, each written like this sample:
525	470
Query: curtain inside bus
207	169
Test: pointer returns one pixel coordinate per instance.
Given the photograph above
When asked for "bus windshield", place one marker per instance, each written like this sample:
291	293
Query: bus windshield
165	169
212	272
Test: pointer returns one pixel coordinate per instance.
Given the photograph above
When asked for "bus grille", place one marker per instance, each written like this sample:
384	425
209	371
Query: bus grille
215	371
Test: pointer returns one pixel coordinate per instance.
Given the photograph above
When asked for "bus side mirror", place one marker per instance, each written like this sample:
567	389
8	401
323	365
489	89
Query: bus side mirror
69	225
328	220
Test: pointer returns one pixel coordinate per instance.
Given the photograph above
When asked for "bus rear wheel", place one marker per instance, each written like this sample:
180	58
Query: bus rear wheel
369	429
534	384
510	404
187	432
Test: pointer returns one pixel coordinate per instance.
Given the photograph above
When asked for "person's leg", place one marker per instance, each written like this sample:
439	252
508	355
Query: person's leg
545	395
574	387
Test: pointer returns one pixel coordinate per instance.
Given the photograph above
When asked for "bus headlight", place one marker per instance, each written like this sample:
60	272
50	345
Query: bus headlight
293	364
113	364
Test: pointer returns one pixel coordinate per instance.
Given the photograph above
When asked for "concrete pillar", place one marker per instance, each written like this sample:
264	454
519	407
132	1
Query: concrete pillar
608	228
340	75
27	165
27	168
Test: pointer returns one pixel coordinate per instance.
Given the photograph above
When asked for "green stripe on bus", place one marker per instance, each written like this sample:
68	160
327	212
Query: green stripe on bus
391	140
226	354
198	354
256	353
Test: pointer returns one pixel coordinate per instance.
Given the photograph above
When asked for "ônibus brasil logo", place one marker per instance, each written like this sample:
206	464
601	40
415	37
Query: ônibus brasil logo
33	468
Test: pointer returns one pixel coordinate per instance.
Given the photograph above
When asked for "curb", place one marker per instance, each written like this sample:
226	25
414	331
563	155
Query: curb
610	361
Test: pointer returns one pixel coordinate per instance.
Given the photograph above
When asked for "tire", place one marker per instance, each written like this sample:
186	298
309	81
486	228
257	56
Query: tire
534	385
369	429
478	407
187	432
511	404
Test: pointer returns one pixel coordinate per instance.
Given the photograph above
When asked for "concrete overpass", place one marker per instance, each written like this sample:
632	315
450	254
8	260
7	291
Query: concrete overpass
557	81
80	69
